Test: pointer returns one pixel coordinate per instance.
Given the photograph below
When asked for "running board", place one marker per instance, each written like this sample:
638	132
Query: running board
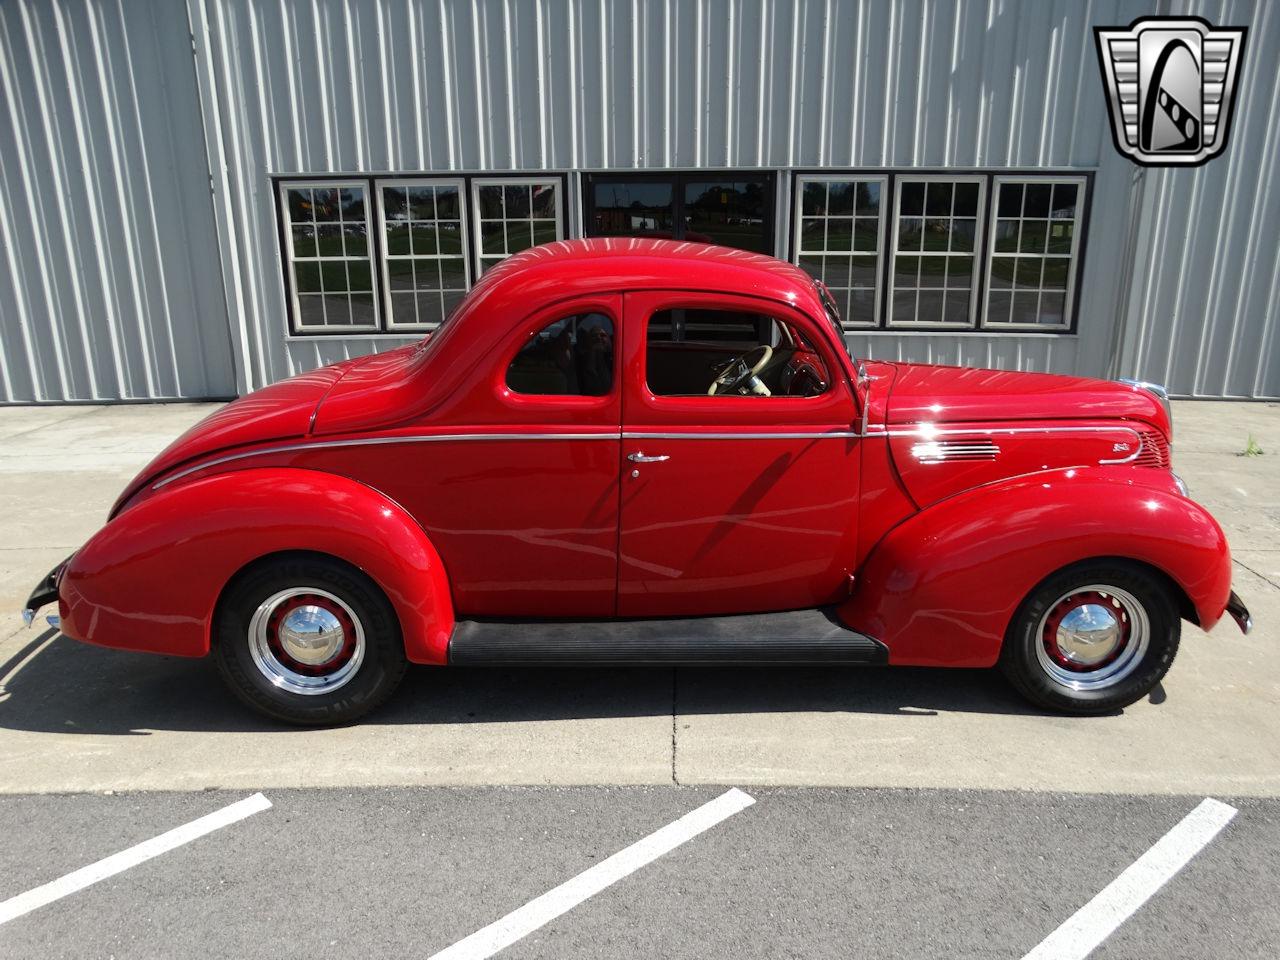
798	636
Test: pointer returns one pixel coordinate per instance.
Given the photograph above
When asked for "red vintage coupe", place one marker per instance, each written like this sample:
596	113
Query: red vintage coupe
645	451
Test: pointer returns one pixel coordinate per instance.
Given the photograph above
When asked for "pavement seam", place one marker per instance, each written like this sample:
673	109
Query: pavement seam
88	411
674	673
1256	573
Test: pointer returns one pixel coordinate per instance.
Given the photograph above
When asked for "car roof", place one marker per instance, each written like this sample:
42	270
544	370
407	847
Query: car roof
629	263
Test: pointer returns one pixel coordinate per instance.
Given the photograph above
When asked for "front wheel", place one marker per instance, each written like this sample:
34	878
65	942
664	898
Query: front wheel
1093	638
309	640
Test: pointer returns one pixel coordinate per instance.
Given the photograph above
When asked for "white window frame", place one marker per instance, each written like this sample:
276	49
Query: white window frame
385	256
979	232
993	213
295	306
557	183
798	223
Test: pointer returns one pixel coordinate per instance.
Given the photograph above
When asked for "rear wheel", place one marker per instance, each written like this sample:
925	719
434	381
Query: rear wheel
1093	638
309	640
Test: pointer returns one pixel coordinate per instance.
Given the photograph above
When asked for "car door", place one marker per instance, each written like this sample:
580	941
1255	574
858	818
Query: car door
519	489
743	502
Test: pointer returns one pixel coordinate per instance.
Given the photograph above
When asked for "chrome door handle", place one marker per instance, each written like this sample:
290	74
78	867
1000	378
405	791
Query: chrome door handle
639	457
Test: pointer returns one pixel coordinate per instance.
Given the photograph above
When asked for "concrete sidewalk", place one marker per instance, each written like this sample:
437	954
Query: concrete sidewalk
75	718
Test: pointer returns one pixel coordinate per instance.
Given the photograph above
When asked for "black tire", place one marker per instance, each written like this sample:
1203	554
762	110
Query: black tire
374	678
1022	662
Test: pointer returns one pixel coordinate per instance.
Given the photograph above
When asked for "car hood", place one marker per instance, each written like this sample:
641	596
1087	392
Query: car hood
925	393
282	411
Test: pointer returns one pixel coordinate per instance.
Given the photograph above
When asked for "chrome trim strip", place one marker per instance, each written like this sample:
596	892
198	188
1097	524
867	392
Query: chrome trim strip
925	432
777	435
376	441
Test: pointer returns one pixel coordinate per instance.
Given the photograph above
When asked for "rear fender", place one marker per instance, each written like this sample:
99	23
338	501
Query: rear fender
150	579
941	588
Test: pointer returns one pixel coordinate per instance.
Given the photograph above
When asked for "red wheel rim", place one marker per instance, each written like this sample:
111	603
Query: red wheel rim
1064	608
279	650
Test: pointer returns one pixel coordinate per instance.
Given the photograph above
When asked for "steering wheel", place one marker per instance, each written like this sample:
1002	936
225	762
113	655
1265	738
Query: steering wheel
741	372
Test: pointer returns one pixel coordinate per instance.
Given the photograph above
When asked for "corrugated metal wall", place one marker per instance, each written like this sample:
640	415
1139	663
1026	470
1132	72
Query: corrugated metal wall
340	86
1204	307
108	259
428	85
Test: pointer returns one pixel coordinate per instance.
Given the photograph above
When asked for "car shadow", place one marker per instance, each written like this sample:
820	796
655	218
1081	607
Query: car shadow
68	687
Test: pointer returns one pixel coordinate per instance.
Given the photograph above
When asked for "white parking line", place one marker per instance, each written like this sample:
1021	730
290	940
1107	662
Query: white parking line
24	903
1101	916
560	900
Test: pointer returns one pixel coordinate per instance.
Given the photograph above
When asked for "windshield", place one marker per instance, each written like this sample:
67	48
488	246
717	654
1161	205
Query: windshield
833	317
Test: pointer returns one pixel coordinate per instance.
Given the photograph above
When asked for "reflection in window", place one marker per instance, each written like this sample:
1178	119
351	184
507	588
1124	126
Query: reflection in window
727	212
515	215
328	248
1033	251
571	357
936	234
426	265
839	242
740	353
627	209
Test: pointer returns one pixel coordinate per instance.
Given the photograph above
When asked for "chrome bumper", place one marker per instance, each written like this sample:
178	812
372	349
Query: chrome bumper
46	592
1239	613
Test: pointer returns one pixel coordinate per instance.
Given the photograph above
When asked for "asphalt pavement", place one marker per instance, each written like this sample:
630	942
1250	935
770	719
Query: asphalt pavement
897	813
803	872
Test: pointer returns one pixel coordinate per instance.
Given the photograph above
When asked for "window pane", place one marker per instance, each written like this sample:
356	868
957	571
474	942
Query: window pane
841	199
1034	233
517	199
956	310
307	277
966	200
304	242
814	198
632	209
1064	201
446	198
1010	200
912	202
910	233
310	310
571	357
960	272
1031	265
730	213
299	204
938	199
1006	240
933	271
739	354
360	276
998	307
453	274
904	306
863	272
1036	203
937	234
868	199
449	237
962	235
906	271
402	308
929	308
422	204
544	201
519	236
840	233
355	242
866	234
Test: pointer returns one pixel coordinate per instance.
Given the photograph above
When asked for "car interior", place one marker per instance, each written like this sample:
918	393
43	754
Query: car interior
698	352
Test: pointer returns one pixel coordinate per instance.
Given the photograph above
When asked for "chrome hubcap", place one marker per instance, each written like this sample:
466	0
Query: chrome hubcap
306	641
1093	637
311	634
1089	634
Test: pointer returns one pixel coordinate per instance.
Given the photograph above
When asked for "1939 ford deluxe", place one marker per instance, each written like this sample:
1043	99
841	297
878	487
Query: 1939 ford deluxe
648	451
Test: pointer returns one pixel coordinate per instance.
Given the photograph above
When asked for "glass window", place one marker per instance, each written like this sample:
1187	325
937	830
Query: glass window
728	212
731	209
330	264
424	251
513	215
937	232
571	357
698	353
643	208
839	239
1031	273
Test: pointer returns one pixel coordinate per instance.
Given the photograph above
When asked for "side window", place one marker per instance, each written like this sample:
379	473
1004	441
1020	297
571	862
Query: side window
699	353
571	357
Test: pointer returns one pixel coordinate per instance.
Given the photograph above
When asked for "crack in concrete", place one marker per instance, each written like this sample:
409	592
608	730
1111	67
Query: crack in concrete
674	779
1256	573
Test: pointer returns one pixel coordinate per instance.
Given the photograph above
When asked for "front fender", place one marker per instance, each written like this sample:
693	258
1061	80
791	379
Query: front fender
149	580
941	588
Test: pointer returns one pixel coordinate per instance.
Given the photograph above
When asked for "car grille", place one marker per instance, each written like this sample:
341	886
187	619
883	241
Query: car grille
1155	450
